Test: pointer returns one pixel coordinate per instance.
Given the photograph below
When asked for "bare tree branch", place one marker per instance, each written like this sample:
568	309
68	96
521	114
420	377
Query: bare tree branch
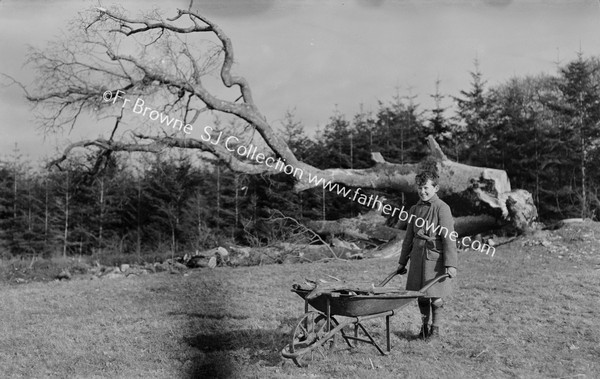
306	229
12	81
72	70
146	57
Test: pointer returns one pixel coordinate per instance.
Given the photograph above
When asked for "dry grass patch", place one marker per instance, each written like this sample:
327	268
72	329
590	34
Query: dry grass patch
524	313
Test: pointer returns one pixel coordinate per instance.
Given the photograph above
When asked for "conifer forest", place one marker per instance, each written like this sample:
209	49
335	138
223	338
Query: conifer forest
542	130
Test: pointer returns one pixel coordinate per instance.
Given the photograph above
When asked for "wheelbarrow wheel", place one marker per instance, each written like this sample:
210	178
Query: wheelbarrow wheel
307	338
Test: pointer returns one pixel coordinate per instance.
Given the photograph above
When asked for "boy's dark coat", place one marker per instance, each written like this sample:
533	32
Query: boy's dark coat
430	252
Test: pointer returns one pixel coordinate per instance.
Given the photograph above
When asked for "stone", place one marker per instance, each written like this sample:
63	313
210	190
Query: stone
159	267
212	262
64	275
222	251
179	266
112	275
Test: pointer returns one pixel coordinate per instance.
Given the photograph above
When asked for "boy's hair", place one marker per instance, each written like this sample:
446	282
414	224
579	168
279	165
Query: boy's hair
423	176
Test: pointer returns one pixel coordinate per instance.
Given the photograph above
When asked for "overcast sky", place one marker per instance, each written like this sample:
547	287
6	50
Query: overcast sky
314	55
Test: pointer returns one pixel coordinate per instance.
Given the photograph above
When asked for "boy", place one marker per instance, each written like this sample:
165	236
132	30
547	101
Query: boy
431	250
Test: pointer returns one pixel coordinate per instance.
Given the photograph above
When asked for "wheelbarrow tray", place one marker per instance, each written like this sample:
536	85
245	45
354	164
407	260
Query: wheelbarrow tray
358	305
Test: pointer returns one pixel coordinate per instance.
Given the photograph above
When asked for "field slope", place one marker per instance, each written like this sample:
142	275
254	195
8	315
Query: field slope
530	311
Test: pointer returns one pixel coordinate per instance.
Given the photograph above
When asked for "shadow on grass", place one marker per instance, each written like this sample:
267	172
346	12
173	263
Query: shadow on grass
406	335
245	346
210	316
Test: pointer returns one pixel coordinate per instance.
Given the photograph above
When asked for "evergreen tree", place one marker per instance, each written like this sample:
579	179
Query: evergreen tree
6	214
363	144
474	121
581	104
400	132
438	126
338	141
293	134
171	181
21	230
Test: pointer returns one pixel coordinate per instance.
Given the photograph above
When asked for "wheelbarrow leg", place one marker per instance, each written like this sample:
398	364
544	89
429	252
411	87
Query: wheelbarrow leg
329	322
358	323
387	332
305	312
328	315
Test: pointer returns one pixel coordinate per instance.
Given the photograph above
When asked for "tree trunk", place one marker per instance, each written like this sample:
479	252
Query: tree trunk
46	211
138	246
66	231
101	220
486	190
370	227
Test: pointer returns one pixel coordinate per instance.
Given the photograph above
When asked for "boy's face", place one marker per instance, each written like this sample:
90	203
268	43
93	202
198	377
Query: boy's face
427	190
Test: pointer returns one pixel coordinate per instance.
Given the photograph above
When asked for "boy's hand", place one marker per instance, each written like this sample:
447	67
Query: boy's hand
451	271
401	270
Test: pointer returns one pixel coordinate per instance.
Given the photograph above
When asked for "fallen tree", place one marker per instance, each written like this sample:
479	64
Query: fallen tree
489	189
83	73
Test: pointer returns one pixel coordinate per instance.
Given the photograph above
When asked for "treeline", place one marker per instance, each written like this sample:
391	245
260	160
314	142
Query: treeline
543	130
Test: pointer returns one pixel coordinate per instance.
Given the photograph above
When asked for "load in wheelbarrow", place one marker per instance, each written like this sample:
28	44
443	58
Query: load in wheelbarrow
315	330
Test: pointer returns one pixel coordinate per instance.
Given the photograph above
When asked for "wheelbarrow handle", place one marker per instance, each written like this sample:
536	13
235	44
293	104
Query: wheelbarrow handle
389	277
434	281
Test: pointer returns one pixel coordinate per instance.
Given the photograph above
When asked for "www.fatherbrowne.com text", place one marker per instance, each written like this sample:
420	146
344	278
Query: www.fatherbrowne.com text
231	143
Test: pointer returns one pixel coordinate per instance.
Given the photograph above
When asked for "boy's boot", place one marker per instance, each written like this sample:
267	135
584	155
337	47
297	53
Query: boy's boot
437	305
425	308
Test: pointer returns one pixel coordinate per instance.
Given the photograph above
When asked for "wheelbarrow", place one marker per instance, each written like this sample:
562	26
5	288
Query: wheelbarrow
318	327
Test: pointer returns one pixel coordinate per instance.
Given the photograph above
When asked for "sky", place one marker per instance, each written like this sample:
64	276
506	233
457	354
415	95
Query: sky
318	56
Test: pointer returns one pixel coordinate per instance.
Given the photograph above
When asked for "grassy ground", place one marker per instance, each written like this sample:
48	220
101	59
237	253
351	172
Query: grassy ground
530	311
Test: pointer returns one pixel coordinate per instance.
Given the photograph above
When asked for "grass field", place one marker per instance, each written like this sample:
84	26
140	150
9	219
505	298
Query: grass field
531	311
